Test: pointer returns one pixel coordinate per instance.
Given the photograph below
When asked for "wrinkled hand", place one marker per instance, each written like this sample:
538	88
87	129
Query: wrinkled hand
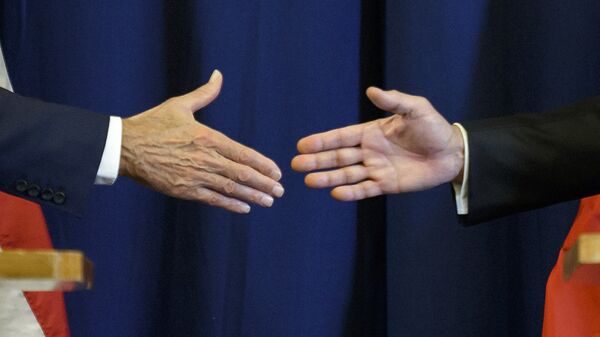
415	149
166	149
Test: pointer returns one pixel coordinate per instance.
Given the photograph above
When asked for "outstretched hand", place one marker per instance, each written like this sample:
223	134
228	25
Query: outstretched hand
166	149
413	150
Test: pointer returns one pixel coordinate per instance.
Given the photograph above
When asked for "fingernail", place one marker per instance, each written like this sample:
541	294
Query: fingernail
245	208
214	76
276	175
266	201
278	191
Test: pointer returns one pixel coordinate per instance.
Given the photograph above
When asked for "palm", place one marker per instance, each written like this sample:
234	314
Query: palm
414	149
403	161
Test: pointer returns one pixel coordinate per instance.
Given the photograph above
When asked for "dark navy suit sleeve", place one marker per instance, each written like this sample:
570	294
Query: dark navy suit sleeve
528	161
49	153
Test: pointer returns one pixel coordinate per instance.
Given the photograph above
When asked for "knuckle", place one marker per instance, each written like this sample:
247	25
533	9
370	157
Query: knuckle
337	138
229	187
316	162
338	158
213	200
244	175
202	137
256	197
346	176
422	101
203	92
243	155
179	192
176	103
172	100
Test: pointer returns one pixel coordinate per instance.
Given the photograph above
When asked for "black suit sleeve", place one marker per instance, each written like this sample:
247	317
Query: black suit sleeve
49	153
528	161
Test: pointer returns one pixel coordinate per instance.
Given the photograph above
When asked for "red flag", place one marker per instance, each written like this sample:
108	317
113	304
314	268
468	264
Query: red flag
573	307
22	226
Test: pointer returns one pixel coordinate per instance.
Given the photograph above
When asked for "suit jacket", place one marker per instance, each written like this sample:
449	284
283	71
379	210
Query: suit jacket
49	153
528	161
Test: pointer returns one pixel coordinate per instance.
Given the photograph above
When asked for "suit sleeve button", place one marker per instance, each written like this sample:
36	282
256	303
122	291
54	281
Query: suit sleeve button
47	194
22	185
33	190
59	198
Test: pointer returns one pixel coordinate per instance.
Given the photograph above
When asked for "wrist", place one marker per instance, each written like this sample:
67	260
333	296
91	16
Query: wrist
458	144
127	148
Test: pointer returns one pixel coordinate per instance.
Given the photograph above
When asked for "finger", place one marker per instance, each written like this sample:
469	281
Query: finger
345	137
218	200
244	155
204	95
344	176
363	190
397	102
328	159
238	191
248	176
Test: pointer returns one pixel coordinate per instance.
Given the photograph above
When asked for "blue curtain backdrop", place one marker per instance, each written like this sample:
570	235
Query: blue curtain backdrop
397	266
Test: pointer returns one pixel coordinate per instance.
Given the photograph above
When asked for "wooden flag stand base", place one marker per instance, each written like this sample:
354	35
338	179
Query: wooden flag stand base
582	261
45	270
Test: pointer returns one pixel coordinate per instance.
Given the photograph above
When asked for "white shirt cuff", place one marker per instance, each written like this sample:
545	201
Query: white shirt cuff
461	190
108	171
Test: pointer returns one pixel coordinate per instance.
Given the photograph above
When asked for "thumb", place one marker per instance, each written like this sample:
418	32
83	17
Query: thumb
398	102
204	95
